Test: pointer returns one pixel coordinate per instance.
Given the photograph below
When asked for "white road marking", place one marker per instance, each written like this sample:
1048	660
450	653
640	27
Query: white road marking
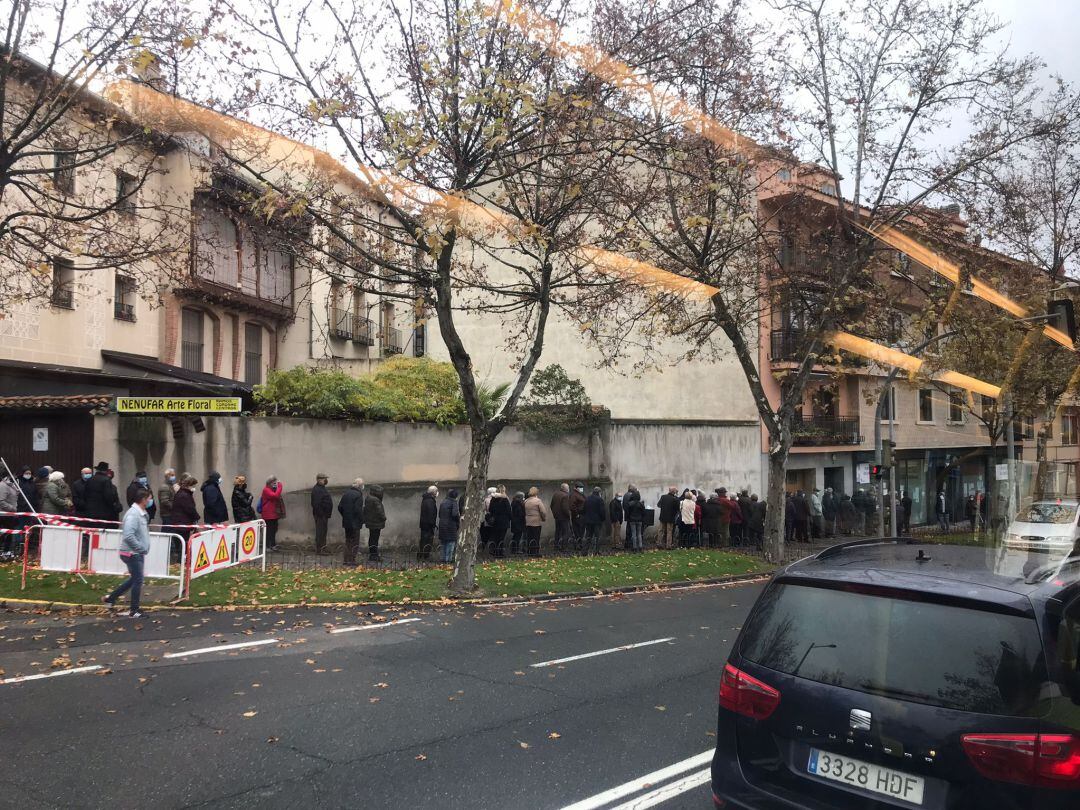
223	647
668	791
374	626
603	652
641	783
56	674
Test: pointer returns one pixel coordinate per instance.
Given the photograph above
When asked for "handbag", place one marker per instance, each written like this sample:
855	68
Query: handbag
258	506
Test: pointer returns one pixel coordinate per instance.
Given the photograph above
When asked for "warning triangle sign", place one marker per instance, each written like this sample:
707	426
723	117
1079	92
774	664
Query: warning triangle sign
202	559
222	553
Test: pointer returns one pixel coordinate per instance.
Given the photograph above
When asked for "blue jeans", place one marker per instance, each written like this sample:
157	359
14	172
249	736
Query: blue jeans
133	583
633	539
448	551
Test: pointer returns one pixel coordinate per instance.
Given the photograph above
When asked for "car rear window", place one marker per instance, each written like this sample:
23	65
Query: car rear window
941	655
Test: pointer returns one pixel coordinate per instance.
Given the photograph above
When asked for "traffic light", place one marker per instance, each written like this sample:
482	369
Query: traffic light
887	453
1064	318
877	470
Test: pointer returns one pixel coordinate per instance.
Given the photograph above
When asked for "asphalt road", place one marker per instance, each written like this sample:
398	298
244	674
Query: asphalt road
445	708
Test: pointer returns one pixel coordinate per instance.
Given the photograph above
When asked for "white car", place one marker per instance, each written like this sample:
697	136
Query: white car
1048	526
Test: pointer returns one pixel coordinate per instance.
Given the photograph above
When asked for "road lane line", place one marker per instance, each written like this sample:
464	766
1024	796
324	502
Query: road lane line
222	648
667	792
353	627
602	652
641	783
58	673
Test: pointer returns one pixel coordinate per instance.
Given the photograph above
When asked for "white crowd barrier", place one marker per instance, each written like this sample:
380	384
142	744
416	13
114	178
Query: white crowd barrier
85	550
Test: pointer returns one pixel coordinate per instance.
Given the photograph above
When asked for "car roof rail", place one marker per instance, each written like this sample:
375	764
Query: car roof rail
840	548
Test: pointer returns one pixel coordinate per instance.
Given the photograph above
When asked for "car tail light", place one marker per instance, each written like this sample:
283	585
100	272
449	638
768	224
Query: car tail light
1044	760
746	695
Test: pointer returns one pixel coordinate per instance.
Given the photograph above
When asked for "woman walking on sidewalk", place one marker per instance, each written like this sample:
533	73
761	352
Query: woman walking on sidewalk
134	546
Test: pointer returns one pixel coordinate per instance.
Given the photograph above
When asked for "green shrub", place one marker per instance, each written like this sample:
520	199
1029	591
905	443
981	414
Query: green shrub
557	405
403	389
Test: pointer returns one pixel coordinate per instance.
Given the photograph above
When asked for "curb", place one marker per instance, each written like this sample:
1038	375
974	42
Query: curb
81	608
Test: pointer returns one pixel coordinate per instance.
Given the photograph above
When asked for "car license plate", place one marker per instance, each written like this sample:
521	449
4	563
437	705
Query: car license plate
866	775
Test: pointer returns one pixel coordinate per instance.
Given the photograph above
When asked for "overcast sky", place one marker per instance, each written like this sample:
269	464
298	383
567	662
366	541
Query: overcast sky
1047	28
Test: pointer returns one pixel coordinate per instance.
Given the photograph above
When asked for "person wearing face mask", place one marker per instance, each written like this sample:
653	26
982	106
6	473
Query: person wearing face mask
78	491
242	509
165	494
29	491
141	481
9	502
102	499
57	500
577	510
215	509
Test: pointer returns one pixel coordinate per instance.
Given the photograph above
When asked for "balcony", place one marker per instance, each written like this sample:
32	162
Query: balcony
124	312
825	431
363	331
341	324
391	341
63	297
785	344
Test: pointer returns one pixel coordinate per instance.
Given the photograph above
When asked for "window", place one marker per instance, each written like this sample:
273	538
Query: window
787	252
388	335
1029	427
420	339
975	660
124	298
926	405
784	175
275	276
340	318
127	188
191	340
1069	425
63	283
956	407
63	173
253	357
217	245
888	405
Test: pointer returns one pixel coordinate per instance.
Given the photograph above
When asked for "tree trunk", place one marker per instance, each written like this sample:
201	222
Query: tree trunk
1042	466
773	544
463	581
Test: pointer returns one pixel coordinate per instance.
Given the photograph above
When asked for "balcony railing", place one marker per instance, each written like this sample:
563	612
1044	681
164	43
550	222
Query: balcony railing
786	344
363	331
824	431
191	355
63	297
124	312
341	325
391	341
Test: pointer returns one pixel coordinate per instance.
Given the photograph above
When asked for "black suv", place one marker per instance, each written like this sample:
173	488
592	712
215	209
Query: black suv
882	674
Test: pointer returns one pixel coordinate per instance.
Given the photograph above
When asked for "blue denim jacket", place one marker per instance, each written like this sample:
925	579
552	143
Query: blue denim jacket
135	532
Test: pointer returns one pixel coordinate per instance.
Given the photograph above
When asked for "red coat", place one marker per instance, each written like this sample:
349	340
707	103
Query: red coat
272	502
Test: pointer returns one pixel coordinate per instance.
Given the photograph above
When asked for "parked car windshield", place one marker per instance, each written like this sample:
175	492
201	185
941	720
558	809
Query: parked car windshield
956	658
1051	512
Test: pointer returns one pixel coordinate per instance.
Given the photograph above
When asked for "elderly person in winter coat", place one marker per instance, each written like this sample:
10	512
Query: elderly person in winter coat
57	500
535	517
241	499
634	511
272	508
351	509
593	515
500	512
184	512
375	520
215	509
517	523
429	520
449	523
615	515
560	512
100	496
322	509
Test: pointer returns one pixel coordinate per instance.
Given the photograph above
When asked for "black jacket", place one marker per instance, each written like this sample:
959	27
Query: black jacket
183	508
633	508
829	506
78	496
499	509
517	515
374	514
757	515
449	520
132	489
351	509
241	505
712	515
595	510
102	502
322	505
669	507
30	490
615	510
214	506
429	511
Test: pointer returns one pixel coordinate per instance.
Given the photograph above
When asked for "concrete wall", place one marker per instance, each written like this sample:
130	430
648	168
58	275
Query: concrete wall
404	458
407	458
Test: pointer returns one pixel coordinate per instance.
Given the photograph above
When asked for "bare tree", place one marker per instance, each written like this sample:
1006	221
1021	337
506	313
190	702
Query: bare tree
871	82
78	177
468	154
